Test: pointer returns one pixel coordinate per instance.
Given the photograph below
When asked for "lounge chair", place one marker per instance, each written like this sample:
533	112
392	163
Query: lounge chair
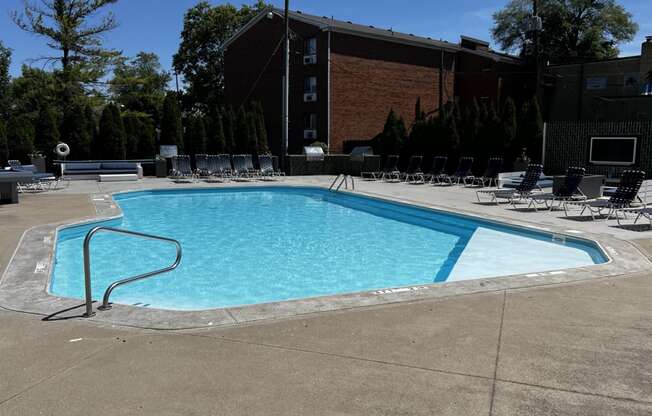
181	170
569	191
39	182
620	201
462	174
490	176
413	171
267	170
241	172
523	190
642	211
203	170
224	169
389	170
437	171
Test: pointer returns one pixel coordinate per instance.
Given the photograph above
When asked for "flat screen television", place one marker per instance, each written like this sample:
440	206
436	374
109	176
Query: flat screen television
614	151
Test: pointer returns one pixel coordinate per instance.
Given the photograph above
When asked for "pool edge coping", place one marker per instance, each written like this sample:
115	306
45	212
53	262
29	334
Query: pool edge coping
31	294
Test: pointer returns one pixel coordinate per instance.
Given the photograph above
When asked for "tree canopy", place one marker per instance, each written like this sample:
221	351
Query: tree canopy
140	83
572	29
200	57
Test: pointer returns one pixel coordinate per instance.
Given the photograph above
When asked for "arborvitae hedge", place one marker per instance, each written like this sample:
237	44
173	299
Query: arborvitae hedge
171	128
20	138
3	143
47	131
78	131
216	142
195	137
261	129
111	135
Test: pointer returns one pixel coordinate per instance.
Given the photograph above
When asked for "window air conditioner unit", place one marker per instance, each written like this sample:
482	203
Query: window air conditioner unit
309	59
310	97
310	134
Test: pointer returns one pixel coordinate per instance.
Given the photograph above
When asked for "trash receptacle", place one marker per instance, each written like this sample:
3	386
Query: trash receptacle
161	168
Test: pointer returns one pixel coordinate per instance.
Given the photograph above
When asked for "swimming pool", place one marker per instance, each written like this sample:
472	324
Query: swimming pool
255	245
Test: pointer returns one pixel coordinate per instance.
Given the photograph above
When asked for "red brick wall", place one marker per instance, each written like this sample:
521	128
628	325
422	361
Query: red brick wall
364	90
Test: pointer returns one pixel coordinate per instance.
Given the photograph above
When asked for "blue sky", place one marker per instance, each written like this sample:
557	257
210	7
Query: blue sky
155	25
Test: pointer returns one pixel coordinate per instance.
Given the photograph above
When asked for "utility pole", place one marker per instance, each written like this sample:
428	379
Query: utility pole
286	88
536	28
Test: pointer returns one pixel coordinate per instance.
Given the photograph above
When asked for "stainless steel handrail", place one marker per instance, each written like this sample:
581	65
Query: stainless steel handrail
344	181
112	286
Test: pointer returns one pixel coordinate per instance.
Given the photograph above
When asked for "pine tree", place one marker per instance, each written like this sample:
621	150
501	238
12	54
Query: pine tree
171	127
46	131
216	143
111	136
20	137
78	130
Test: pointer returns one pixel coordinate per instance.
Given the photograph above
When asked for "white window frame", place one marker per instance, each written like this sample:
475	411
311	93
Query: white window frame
612	163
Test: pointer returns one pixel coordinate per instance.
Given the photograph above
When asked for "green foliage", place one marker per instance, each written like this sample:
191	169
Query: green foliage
261	130
470	128
242	131
572	28
195	136
34	90
4	146
419	114
252	133
509	127
111	135
216	142
171	129
20	137
47	131
78	130
393	136
5	62
200	57
228	122
66	26
140	84
140	140
530	129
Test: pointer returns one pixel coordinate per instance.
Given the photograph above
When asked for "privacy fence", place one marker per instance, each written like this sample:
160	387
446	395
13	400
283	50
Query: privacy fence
567	143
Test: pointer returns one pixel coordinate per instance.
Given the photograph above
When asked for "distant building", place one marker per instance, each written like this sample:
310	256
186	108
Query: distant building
345	77
607	90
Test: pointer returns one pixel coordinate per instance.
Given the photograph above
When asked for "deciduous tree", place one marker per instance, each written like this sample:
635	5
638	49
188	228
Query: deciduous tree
572	29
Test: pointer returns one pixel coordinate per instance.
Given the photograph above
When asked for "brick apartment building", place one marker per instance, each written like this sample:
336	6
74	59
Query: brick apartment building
345	77
613	89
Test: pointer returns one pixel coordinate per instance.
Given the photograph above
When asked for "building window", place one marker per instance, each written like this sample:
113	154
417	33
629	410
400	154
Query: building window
310	121
311	46
310	85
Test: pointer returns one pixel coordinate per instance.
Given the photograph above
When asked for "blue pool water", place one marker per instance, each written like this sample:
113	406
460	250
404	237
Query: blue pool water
254	245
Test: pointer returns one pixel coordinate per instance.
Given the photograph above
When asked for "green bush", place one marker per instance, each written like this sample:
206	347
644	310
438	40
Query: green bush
393	136
20	138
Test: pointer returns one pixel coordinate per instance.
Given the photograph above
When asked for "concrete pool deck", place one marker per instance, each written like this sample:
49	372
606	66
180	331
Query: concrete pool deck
576	348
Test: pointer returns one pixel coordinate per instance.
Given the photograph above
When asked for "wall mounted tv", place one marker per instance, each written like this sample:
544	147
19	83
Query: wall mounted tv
613	151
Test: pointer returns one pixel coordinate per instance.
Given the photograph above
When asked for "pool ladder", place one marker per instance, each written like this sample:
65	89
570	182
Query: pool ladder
87	266
342	179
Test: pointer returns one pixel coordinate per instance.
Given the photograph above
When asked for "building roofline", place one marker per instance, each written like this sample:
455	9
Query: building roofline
325	23
596	61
